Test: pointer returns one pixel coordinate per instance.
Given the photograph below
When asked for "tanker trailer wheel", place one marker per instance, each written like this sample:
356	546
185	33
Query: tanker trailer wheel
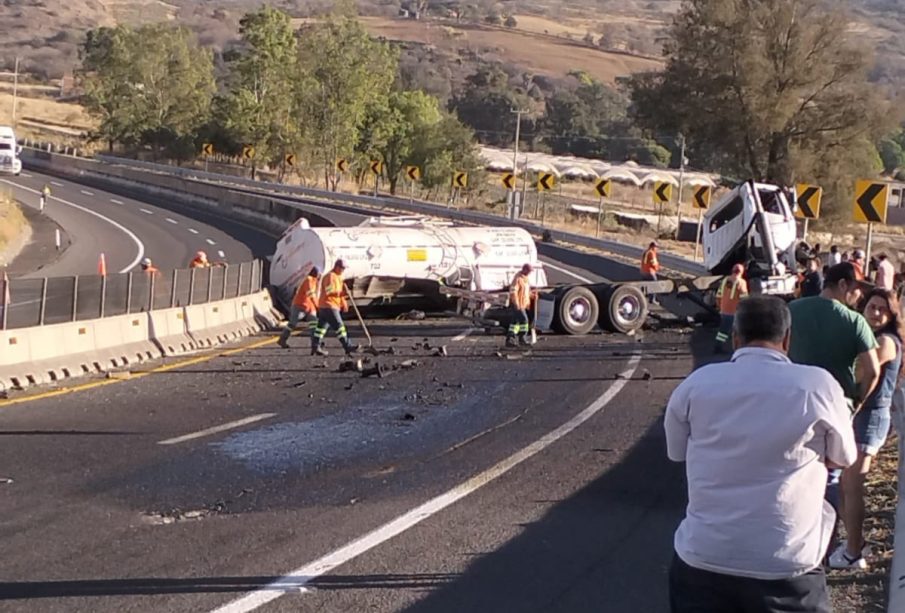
625	309
576	311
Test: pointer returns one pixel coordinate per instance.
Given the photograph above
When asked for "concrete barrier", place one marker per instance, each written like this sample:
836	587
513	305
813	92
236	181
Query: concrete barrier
14	352
125	340
168	330
265	313
220	322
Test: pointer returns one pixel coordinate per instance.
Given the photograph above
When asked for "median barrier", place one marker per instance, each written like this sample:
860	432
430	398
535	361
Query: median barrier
265	313
169	332
124	340
14	352
219	322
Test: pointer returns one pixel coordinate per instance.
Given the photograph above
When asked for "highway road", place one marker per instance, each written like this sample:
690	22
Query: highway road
262	479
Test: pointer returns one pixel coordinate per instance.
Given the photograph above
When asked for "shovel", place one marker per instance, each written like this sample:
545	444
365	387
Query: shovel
370	348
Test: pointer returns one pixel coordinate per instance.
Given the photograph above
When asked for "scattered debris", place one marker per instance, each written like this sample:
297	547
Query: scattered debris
371	350
349	387
375	371
119	374
301	384
408	417
5	480
440	352
324	364
413	315
350	366
390	351
409	364
646	376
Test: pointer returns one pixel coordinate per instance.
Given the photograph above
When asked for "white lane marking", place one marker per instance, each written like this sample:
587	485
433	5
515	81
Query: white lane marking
115	201
209	241
566	272
146	211
115	224
57	184
86	192
193	230
215	429
172	221
462	336
221	254
296	579
25	174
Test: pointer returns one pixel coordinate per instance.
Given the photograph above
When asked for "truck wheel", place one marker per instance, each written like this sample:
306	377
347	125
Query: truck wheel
576	311
625	309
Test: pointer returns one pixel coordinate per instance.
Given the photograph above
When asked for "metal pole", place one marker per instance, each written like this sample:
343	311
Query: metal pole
525	185
5	302
599	216
15	90
412	192
43	302
804	231
681	184
239	280
697	239
518	132
75	296
192	285
870	243
173	289
210	283
103	294
225	276
129	293
151	294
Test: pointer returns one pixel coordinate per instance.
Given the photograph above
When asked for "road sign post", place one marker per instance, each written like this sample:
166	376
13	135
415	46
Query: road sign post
413	173
807	204
603	191
870	207
700	199
662	195
376	167
545	182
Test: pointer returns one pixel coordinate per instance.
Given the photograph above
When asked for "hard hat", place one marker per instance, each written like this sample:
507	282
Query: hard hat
201	255
738	268
313	272
340	263
527	268
653	244
146	262
859	254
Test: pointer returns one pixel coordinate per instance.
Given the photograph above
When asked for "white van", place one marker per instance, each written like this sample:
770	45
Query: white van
10	163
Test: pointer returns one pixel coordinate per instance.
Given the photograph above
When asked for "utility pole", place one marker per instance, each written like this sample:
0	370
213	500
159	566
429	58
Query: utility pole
15	89
518	132
681	183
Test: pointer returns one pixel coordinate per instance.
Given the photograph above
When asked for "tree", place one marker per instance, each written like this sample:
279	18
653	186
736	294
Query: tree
345	71
447	148
892	152
511	21
486	104
260	106
757	87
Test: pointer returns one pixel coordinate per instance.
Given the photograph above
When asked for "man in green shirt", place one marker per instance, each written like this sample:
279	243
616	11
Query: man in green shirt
828	332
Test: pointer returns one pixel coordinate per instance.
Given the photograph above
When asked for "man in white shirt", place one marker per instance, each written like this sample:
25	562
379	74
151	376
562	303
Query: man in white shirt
757	435
886	273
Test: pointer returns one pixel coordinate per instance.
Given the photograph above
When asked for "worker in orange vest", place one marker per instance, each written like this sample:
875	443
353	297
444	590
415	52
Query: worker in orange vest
650	263
519	303
147	266
732	289
304	305
330	306
200	261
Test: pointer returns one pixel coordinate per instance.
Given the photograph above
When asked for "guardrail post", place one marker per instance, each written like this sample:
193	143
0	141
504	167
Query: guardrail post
210	283
192	285
103	294
129	293
225	277
151	293
239	279
75	296
173	292
43	302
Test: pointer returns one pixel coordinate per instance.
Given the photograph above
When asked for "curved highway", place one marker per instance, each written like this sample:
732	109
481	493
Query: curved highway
263	479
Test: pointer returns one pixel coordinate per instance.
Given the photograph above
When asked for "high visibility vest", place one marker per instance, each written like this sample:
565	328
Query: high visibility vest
333	295
731	291
649	262
859	270
151	270
306	295
520	292
199	263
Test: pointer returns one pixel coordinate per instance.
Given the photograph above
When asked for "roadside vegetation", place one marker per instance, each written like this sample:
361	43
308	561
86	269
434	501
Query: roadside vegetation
12	225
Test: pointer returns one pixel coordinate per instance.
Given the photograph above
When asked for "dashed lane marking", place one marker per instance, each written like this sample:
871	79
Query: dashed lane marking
209	241
172	221
114	223
57	183
160	369
296	580
221	254
217	429
146	211
26	175
193	230
115	201
86	192
566	271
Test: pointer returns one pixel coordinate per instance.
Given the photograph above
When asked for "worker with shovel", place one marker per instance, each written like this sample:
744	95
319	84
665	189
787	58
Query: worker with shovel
331	304
519	303
304	305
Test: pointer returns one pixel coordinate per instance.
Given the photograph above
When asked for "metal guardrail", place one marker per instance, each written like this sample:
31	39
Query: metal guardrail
378	203
53	300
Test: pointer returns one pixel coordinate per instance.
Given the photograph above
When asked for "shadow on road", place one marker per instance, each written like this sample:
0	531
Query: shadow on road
28	590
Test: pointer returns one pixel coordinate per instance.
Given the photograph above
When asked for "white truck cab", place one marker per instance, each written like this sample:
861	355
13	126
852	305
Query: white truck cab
10	163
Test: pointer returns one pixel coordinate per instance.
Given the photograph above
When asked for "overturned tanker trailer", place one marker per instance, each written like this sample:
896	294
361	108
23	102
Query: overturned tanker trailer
405	260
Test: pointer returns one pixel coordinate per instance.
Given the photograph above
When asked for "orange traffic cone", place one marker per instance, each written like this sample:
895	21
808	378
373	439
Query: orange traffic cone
102	266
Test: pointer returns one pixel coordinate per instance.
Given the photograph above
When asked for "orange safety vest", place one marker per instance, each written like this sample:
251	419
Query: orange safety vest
730	293
151	270
198	263
859	270
649	262
520	292
333	295
306	295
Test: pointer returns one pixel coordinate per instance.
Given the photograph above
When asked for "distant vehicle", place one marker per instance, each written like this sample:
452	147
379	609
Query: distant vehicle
10	163
405	259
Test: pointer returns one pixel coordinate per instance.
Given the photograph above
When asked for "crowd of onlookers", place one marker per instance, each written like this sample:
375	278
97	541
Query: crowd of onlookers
778	440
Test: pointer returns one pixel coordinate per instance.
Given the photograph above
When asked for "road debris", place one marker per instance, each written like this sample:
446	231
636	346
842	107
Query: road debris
440	352
119	375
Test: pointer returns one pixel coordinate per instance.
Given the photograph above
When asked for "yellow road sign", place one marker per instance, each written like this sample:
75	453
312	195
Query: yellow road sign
546	181
662	192
413	172
376	166
871	200
508	180
808	199
248	152
603	188
207	149
700	198
290	159
460	179
342	165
